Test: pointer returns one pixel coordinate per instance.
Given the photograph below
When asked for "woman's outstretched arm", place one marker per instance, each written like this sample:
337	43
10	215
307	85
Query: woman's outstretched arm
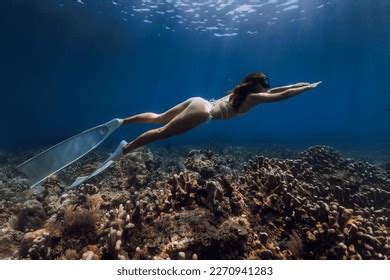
267	97
283	88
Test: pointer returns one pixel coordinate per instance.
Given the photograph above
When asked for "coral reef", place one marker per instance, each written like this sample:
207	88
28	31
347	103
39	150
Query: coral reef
205	204
31	215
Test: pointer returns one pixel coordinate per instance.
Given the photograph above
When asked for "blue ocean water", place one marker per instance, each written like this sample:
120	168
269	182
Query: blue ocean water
68	65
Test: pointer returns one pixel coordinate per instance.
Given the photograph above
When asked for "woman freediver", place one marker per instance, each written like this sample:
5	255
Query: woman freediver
252	91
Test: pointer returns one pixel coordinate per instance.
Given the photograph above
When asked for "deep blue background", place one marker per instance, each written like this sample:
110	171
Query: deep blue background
65	69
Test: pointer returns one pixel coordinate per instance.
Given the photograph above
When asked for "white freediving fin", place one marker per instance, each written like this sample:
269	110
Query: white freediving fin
118	153
82	179
78	181
66	152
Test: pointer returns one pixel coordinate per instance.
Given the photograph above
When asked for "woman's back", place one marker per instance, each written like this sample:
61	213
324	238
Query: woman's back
222	108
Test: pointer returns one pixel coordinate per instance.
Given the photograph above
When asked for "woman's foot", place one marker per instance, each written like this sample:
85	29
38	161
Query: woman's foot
118	153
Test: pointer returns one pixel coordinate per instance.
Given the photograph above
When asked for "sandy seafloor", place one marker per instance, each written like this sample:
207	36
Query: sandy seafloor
193	202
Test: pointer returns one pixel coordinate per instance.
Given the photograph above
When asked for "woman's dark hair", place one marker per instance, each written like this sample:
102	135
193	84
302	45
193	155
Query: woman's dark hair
250	84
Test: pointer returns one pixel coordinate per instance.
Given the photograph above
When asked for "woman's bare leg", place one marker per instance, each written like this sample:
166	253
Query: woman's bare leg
142	118
162	118
194	114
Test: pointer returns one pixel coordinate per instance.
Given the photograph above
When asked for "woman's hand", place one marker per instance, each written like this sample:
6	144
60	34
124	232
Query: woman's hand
313	85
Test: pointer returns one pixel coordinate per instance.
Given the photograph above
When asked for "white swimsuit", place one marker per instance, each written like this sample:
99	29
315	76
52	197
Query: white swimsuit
225	108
